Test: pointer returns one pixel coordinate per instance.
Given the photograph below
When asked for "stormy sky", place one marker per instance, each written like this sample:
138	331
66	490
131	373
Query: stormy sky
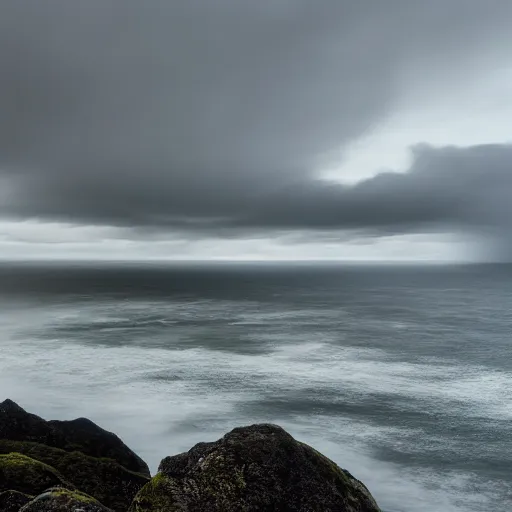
274	129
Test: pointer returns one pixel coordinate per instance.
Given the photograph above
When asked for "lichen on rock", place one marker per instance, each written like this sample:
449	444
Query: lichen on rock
104	479
254	468
64	500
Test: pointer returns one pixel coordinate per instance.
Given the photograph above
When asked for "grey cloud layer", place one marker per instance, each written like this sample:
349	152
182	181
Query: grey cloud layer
207	115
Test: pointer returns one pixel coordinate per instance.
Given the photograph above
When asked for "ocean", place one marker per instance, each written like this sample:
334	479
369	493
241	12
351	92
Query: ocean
401	374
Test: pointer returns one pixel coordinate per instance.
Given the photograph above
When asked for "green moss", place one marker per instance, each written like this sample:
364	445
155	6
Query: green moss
157	479
24	474
239	478
73	496
104	479
217	483
220	478
59	499
55	456
156	496
330	466
17	461
262	470
355	490
77	495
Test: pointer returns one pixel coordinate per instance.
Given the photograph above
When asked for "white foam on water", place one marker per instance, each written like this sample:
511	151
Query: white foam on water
162	401
395	488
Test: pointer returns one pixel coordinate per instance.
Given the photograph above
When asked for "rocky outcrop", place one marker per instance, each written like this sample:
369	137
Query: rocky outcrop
49	466
255	468
63	448
64	500
104	479
80	435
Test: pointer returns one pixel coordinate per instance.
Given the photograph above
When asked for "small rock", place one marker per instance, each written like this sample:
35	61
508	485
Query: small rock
12	501
64	500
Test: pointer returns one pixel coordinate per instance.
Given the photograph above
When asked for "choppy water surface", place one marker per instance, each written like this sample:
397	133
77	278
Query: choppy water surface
401	375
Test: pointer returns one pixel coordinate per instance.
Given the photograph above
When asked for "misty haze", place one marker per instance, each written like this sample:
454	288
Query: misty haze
222	213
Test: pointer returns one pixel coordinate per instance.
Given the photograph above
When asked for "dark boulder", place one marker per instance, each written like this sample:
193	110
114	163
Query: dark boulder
64	500
103	479
19	425
12	501
254	468
85	436
26	475
77	435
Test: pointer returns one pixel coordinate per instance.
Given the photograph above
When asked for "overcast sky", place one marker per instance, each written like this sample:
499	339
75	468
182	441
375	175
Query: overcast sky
269	129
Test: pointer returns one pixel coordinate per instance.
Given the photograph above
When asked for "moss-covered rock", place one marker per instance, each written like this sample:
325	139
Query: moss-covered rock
26	475
64	500
12	501
250	469
254	468
104	479
77	435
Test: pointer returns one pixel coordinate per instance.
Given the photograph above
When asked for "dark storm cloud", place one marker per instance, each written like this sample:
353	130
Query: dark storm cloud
451	187
207	115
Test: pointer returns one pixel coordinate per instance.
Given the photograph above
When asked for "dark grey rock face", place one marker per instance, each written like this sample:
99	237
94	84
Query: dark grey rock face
30	462
77	435
75	466
12	501
104	479
256	468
